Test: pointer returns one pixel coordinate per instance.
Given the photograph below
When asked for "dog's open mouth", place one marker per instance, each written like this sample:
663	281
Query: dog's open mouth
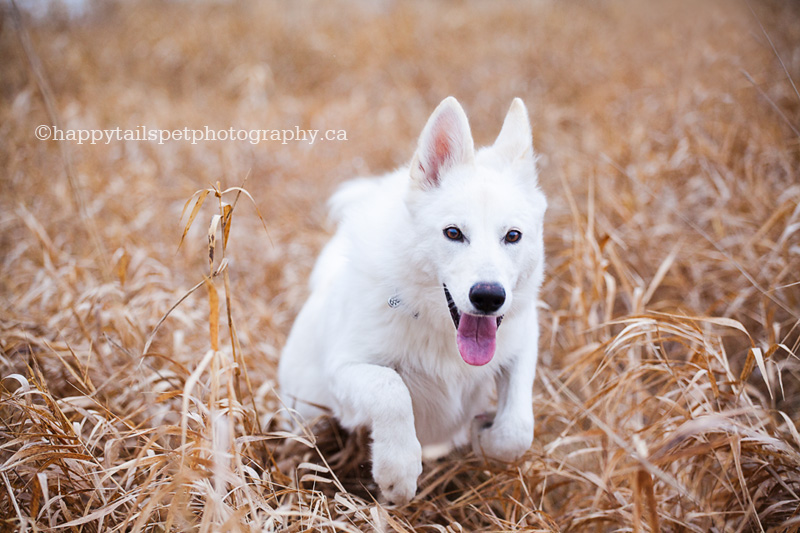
475	334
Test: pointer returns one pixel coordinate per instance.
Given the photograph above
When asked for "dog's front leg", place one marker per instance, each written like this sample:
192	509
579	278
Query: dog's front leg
376	396
510	434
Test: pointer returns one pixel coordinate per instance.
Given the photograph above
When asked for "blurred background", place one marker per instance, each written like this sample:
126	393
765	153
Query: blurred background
668	141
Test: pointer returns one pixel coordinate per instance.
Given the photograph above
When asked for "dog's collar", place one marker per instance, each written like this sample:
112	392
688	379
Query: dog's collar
395	302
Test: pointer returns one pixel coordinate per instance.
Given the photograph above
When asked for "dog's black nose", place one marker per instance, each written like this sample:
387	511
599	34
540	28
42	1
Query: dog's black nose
487	297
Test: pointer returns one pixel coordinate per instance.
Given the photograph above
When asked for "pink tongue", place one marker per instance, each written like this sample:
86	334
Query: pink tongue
476	338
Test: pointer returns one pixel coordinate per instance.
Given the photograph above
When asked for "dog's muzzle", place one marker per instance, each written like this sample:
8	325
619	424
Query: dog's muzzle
482	295
476	334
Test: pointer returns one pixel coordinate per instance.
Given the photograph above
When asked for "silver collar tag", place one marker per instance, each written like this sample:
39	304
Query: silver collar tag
394	302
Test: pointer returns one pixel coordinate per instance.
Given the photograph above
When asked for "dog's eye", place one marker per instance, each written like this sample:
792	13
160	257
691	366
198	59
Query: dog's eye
453	233
513	236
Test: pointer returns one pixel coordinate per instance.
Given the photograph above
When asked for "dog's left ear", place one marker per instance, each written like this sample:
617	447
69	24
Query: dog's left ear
515	140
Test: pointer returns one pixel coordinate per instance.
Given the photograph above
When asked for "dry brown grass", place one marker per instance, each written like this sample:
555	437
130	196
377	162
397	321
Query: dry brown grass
668	394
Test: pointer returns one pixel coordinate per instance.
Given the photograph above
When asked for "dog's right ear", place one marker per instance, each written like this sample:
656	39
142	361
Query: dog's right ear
446	141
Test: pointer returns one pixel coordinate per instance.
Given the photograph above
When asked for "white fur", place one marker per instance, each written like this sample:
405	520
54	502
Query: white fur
397	370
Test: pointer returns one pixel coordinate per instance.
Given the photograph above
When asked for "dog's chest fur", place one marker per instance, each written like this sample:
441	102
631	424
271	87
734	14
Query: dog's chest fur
442	407
446	393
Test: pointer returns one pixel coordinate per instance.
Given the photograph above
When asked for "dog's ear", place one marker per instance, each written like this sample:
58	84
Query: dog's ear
446	141
515	139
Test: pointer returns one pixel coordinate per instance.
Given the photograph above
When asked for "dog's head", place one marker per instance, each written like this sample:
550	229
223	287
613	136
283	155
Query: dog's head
481	218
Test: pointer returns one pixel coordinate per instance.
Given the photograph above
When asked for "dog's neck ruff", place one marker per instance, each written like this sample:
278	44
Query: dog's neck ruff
476	335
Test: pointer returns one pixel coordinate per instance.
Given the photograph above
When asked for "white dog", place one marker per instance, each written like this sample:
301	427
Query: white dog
402	331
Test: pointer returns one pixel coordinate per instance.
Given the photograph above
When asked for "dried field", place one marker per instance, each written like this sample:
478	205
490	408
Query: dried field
668	393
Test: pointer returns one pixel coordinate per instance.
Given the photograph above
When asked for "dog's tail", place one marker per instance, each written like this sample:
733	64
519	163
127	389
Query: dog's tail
348	201
349	196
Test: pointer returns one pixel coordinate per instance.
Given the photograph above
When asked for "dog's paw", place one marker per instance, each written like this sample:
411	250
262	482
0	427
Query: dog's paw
396	465
503	442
